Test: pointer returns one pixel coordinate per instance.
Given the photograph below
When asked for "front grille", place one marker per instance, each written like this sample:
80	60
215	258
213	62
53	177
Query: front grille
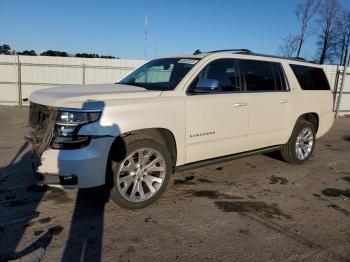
38	116
41	121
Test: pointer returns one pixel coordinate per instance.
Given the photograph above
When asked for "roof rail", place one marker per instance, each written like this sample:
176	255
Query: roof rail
223	50
231	50
249	52
300	59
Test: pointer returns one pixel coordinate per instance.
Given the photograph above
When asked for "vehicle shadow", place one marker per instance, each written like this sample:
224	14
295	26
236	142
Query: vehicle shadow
18	205
276	155
19	212
86	231
87	225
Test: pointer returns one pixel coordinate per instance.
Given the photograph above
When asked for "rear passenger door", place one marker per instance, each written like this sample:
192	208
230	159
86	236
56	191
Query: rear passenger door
269	98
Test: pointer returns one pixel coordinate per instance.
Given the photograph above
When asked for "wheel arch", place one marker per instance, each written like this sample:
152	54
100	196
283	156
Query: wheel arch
311	117
162	135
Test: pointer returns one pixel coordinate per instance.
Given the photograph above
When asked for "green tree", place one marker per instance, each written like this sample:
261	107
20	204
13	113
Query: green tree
5	49
86	55
109	57
28	52
54	53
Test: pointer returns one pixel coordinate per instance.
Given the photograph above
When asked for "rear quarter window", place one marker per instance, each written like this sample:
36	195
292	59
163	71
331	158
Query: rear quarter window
310	78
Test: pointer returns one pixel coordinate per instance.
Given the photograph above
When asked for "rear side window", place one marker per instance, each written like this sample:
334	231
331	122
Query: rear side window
310	78
263	76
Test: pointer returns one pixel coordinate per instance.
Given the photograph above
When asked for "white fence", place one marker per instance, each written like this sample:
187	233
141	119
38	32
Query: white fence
21	75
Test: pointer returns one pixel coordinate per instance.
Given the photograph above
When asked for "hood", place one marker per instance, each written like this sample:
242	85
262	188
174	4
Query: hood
81	96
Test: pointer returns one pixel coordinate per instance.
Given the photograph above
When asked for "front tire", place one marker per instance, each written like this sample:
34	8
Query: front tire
141	171
301	143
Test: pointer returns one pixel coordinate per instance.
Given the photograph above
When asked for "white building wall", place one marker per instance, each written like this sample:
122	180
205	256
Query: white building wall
37	72
8	79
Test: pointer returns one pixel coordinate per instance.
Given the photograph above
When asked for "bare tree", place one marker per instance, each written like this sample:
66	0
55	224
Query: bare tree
305	11
329	15
344	37
289	46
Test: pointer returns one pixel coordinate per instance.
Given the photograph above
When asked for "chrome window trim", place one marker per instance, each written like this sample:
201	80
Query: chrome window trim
243	87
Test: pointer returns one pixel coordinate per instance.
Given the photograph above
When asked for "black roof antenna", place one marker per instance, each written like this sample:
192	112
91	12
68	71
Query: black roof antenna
197	52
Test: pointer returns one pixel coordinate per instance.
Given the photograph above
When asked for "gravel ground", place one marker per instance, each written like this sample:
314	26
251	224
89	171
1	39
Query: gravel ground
253	209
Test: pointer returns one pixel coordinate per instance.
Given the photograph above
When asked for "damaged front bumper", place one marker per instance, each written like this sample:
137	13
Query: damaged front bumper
81	167
47	178
73	168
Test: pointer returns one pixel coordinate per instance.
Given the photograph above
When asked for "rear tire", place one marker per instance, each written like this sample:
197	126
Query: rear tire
141	171
301	143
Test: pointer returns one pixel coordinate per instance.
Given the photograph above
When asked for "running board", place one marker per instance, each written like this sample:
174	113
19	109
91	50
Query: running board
217	160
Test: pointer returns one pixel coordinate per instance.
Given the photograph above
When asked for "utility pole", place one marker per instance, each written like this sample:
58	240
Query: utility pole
14	48
155	51
19	80
146	35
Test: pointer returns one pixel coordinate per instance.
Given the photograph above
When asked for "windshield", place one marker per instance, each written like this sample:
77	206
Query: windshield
160	74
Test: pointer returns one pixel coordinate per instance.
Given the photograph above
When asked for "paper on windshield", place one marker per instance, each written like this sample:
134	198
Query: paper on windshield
188	61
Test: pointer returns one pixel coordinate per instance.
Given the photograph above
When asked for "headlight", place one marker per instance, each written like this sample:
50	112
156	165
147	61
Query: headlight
67	125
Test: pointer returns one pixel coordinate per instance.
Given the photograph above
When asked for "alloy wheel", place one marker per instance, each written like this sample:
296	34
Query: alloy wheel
304	143
141	175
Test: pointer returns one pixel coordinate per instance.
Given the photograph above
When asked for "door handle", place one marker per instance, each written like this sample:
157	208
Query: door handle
240	104
284	101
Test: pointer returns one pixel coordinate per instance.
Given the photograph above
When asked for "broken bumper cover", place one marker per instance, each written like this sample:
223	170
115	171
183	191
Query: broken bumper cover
55	179
74	168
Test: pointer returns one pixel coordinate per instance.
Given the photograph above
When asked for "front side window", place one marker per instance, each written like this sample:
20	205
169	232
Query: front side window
310	78
160	74
260	76
225	71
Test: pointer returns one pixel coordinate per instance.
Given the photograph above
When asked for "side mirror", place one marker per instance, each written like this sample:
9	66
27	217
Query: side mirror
206	85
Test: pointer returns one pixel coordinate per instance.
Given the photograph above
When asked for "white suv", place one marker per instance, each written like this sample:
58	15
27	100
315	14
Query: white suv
177	113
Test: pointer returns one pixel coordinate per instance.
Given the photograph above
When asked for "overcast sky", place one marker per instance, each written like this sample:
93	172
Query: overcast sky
117	27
